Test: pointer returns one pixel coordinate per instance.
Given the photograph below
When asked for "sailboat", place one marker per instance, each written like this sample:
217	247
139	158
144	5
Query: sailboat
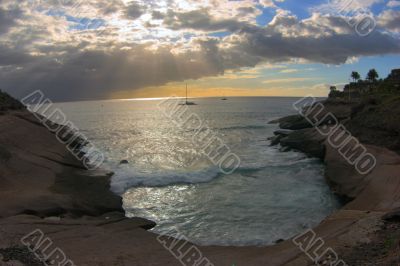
223	98
186	101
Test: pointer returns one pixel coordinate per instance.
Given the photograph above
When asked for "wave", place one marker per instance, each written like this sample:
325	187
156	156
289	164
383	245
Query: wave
127	177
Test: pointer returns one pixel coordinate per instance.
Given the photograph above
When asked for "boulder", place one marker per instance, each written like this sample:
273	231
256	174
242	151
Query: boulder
294	122
308	140
124	162
282	132
278	135
275	140
275	121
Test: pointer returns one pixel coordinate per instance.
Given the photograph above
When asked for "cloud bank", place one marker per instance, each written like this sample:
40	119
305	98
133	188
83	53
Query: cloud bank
89	50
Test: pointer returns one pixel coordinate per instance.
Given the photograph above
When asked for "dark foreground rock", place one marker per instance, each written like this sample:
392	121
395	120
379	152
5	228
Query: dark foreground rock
294	122
39	176
308	141
283	132
278	135
9	103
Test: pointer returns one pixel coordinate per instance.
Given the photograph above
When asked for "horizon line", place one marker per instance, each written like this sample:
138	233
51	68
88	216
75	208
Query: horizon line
180	97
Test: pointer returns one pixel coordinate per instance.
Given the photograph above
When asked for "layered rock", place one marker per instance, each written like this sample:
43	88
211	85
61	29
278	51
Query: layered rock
375	193
39	176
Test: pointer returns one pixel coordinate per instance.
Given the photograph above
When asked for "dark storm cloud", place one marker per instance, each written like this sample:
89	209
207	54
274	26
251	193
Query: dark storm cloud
333	49
201	20
96	74
75	65
134	10
11	57
8	18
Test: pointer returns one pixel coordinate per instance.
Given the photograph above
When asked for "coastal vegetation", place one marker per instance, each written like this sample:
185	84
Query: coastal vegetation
370	87
355	76
373	107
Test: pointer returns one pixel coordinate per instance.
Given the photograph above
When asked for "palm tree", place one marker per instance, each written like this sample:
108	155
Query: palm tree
372	75
355	76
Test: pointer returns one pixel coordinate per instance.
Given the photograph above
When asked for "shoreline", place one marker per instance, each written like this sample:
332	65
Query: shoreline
49	190
373	193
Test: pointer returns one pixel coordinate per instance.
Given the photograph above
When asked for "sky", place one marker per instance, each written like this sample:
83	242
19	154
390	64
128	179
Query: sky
114	49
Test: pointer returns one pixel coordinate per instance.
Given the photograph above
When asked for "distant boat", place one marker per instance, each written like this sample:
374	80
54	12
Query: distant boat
186	101
223	98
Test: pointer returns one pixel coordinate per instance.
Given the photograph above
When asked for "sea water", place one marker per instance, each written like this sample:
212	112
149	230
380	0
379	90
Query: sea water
272	194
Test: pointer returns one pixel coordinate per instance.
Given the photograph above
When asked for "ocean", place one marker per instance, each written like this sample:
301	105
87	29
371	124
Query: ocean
271	195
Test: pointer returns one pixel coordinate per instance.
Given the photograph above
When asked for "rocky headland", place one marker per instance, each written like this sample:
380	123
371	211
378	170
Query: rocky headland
373	119
42	186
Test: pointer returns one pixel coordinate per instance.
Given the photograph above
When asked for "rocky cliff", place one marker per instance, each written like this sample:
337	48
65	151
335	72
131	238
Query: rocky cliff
376	125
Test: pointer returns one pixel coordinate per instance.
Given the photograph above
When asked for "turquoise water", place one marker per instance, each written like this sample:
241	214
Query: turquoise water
272	195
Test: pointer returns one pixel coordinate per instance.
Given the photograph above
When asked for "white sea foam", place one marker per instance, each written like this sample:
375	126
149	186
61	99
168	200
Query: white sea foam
126	177
255	205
